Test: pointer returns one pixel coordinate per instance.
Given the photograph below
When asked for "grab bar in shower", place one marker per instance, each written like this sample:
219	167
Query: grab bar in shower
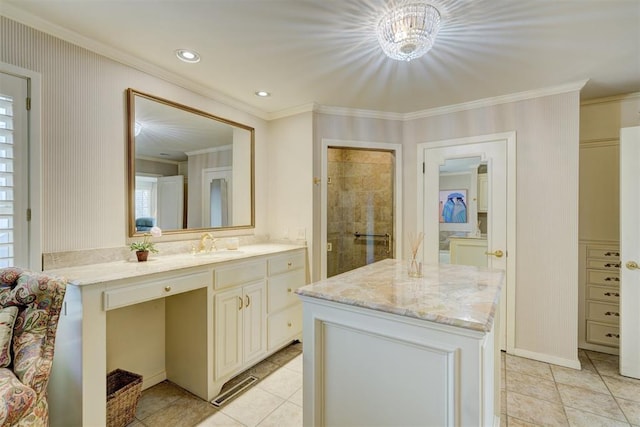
386	236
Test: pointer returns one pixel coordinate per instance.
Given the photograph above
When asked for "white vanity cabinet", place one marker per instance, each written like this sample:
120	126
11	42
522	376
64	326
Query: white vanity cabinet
284	322
240	317
196	321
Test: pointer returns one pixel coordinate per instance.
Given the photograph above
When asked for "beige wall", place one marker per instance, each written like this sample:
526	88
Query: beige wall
84	184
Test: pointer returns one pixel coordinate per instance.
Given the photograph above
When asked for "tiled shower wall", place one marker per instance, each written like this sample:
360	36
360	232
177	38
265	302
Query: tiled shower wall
359	199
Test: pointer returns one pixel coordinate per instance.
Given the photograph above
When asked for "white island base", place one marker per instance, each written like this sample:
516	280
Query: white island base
366	367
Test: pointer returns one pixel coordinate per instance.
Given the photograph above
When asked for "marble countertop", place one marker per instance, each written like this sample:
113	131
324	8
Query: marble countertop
117	270
456	295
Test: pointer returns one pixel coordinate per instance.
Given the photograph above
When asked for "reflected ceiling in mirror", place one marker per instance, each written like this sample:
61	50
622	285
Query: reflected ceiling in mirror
188	170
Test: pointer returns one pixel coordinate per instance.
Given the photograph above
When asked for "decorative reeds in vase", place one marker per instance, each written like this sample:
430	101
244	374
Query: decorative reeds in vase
415	267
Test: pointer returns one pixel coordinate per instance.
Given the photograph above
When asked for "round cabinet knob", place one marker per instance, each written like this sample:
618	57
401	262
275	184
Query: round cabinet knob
289	290
289	264
632	265
167	288
289	324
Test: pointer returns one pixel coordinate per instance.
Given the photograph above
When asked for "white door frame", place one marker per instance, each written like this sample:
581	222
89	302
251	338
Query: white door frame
397	191
34	87
509	292
209	174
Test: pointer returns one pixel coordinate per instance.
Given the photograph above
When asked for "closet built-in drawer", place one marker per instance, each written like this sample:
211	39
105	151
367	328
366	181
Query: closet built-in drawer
603	293
238	274
284	263
281	289
603	264
160	288
599	333
284	325
606	253
603	312
611	278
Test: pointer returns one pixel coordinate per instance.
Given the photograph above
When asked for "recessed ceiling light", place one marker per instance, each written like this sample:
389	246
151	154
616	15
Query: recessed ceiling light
262	93
187	55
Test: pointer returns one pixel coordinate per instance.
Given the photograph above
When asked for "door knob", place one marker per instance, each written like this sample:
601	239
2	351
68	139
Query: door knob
632	265
497	254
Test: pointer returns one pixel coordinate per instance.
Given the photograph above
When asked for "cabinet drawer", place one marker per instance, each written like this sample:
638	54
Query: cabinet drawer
603	293
284	325
147	291
611	278
605	253
239	274
604	264
603	312
599	333
282	288
281	264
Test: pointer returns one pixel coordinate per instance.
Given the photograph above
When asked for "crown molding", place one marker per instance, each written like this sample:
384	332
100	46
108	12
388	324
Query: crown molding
497	100
102	49
614	98
305	108
354	112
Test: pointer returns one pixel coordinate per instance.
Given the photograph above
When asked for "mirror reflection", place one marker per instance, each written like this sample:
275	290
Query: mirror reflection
188	170
463	202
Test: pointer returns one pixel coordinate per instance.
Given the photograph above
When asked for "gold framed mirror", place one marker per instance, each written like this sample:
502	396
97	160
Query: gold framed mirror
189	171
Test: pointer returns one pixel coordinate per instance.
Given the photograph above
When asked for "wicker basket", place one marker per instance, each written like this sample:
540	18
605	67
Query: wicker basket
123	392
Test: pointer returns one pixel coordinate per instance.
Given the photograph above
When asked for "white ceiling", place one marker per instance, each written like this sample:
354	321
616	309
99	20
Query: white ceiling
326	51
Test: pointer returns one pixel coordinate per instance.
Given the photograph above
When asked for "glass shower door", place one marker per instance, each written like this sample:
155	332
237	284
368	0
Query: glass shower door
360	209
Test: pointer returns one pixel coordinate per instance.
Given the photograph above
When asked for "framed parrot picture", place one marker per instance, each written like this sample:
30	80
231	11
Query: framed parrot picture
453	206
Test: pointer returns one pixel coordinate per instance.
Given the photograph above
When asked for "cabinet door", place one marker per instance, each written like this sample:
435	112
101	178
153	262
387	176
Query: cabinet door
483	193
228	329
254	319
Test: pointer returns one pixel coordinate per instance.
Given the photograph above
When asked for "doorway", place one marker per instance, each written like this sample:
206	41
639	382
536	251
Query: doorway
360	204
486	236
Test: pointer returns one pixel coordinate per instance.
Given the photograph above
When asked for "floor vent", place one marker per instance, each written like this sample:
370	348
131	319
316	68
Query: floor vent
236	389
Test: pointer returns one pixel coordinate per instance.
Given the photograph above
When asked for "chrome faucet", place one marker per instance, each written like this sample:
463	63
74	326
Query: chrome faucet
202	245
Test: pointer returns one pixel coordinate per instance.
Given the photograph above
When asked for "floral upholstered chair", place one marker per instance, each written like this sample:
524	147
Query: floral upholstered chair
30	305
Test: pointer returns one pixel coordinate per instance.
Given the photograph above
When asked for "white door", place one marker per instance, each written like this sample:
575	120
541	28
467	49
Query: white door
254	321
498	151
170	202
630	252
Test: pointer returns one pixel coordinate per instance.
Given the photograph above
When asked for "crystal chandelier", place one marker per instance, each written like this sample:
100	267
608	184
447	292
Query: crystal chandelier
408	31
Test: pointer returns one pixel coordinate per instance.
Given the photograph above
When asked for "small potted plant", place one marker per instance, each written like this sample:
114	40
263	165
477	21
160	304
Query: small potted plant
145	246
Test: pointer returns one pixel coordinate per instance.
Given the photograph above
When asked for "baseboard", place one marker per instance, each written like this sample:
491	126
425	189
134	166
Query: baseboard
150	381
568	363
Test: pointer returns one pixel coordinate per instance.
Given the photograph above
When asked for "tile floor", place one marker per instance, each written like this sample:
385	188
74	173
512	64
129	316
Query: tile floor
533	394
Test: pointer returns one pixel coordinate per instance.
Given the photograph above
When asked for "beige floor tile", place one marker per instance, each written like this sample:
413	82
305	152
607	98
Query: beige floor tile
585	363
528	366
296	398
578	418
262	369
624	387
295	364
532	386
590	401
252	407
220	419
136	423
534	410
515	422
286	415
183	412
157	397
594	355
584	379
607	367
283	383
631	409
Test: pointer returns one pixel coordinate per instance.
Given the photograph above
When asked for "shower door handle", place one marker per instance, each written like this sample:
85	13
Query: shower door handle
388	237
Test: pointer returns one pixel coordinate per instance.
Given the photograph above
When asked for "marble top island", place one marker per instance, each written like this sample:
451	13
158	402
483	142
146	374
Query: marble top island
454	295
376	339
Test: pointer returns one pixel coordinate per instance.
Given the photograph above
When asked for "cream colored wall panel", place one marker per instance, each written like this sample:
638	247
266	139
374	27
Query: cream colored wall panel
599	191
84	138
